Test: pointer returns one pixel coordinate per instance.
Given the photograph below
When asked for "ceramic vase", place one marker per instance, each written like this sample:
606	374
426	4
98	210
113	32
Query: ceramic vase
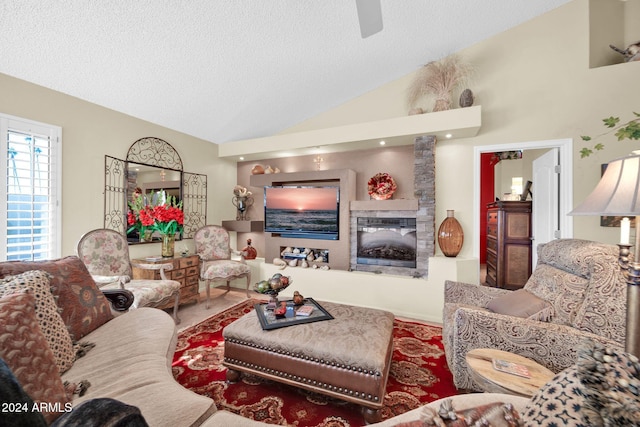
450	235
168	244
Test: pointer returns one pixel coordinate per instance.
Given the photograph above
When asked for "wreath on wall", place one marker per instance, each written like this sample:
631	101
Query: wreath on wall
381	186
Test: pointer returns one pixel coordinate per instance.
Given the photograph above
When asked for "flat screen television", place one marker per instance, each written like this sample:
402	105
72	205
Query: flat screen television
311	212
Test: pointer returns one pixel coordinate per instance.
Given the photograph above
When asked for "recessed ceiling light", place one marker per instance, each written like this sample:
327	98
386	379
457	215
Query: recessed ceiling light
448	135
241	158
382	142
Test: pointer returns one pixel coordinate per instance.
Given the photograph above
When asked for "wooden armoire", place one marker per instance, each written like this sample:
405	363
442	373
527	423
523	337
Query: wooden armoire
508	244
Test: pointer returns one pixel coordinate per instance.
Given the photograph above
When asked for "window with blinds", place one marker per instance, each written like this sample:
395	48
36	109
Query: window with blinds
29	198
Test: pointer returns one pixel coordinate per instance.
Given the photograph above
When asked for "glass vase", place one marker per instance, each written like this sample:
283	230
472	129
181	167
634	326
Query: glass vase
145	236
168	244
450	235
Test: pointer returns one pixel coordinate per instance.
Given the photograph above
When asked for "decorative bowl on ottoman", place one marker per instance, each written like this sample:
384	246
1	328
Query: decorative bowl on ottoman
273	287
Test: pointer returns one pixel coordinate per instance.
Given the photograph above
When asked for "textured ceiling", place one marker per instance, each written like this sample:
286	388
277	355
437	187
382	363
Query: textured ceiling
225	70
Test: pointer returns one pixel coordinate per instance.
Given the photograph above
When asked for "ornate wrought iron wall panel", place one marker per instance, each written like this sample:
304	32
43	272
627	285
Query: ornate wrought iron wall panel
194	202
154	152
115	207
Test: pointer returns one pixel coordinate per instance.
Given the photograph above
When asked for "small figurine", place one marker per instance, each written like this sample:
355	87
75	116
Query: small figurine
631	53
249	252
297	298
281	311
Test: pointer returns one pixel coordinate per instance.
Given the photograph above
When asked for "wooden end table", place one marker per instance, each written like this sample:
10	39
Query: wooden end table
186	270
480	362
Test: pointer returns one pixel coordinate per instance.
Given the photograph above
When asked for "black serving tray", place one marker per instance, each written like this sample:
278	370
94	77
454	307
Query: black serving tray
268	320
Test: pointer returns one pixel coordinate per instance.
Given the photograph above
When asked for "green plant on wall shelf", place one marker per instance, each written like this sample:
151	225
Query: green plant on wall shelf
628	130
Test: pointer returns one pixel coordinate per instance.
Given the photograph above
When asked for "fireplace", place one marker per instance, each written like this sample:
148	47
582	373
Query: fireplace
386	242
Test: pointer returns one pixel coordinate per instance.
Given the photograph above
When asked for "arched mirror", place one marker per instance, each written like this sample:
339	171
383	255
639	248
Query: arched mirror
152	171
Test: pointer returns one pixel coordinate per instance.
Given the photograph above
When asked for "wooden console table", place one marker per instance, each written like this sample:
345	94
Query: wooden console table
186	270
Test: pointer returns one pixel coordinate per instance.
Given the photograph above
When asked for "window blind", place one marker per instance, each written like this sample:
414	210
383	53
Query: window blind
31	209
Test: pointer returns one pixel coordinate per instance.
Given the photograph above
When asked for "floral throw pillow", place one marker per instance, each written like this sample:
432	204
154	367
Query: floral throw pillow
47	314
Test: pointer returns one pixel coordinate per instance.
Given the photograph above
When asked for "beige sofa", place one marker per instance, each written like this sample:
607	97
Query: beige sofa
129	358
575	294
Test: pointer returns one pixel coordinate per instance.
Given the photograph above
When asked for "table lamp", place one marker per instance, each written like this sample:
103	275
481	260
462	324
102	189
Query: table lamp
618	194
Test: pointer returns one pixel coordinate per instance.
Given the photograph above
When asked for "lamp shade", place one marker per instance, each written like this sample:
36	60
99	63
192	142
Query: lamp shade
617	192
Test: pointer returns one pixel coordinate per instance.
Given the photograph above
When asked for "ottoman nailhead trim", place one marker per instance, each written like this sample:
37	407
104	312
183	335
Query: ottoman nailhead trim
302	379
303	357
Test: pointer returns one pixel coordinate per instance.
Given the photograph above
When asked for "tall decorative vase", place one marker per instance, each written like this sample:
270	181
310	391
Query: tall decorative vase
168	243
450	235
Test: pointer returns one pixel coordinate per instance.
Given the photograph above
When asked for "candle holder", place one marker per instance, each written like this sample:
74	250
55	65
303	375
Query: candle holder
631	272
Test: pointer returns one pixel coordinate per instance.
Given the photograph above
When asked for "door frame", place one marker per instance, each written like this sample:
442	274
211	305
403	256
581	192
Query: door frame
565	205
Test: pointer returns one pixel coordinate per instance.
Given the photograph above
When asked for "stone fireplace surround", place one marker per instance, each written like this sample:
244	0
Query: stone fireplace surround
422	208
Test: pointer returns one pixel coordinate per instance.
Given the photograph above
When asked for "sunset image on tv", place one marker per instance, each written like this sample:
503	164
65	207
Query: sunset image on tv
304	209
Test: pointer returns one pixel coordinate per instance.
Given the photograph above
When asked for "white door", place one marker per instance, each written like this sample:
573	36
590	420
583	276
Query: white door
545	200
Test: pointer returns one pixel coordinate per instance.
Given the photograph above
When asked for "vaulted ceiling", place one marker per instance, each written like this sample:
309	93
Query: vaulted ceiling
235	69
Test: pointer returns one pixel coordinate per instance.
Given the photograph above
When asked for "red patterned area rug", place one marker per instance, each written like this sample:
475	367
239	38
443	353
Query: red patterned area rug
419	374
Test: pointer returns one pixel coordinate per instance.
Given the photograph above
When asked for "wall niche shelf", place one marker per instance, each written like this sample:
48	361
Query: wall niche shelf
244	226
385	205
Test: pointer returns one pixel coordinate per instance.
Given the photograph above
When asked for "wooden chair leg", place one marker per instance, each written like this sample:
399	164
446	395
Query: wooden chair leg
248	283
208	282
228	285
176	305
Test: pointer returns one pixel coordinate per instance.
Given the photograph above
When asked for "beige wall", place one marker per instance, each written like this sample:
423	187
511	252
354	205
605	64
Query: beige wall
88	133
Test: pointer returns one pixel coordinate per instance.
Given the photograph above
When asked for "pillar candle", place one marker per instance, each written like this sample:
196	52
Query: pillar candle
625	226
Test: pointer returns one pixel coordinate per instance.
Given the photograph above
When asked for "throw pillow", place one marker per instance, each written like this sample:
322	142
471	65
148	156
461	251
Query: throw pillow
611	380
558	403
26	352
18	410
84	307
522	303
47	314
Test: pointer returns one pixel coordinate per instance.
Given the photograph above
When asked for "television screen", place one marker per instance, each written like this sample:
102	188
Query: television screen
302	211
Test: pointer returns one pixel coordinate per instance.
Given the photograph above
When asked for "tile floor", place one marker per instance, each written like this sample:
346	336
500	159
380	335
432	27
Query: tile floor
191	314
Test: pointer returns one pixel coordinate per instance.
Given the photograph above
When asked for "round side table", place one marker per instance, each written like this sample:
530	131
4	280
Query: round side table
480	362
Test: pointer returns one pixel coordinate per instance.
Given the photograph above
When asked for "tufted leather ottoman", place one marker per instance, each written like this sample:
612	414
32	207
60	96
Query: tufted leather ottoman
347	357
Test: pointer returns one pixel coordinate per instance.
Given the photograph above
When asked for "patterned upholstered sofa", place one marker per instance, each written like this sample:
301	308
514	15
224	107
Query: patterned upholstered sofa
576	293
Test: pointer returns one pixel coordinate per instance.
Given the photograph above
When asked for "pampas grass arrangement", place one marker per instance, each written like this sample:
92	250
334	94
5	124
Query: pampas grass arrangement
437	80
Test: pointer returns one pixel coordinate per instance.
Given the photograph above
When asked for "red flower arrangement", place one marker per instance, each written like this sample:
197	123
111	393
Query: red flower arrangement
167	218
381	186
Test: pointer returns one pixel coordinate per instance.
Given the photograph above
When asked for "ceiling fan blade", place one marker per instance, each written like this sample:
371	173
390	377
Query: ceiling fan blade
370	17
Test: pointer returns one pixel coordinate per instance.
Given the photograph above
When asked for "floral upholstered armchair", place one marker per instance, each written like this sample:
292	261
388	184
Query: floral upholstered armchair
105	253
213	246
575	294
